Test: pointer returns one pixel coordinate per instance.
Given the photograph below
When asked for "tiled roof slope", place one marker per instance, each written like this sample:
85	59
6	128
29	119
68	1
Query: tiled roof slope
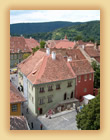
32	43
49	70
76	54
28	64
64	44
18	43
15	96
81	67
92	52
22	44
18	123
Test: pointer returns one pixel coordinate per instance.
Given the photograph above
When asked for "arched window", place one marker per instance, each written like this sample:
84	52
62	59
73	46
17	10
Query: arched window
65	96
72	94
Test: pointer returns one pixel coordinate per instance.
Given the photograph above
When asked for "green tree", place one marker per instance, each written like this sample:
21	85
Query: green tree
89	117
96	68
42	44
25	55
78	37
35	49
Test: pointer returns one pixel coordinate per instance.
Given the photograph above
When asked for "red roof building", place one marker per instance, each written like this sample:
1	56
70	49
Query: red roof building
18	123
41	68
22	44
85	77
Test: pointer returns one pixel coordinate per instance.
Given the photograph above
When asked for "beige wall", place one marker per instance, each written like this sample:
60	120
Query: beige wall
57	95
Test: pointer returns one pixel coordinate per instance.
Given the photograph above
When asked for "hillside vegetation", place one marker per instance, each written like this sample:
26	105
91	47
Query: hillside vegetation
82	31
30	28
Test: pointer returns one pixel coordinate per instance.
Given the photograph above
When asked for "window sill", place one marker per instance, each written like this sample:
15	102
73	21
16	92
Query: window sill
58	88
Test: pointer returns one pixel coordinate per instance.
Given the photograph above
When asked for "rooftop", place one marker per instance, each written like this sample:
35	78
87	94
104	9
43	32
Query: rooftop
41	68
15	95
81	67
92	52
18	123
18	44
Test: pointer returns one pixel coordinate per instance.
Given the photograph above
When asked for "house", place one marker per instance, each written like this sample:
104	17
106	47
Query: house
16	100
85	77
18	123
60	44
20	46
50	82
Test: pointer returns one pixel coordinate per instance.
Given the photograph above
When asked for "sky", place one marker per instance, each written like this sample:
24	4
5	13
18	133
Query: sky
24	16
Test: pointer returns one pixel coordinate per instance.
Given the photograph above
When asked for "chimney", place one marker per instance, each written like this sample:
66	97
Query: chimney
95	46
53	55
69	59
83	46
48	51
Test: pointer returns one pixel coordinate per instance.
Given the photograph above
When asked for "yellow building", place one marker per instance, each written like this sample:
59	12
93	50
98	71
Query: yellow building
16	100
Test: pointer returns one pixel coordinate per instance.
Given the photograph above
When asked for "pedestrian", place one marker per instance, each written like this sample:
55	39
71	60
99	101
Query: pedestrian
32	125
41	126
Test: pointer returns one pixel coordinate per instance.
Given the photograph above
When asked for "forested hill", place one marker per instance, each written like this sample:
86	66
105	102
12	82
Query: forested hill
85	31
30	28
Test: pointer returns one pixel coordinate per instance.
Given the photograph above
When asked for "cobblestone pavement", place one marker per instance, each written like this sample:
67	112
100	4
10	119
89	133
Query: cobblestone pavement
62	121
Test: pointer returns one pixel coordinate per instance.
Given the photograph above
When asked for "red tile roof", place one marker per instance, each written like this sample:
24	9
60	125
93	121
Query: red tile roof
15	95
81	67
18	44
32	43
92	52
49	70
21	44
41	68
18	123
76	54
28	64
65	43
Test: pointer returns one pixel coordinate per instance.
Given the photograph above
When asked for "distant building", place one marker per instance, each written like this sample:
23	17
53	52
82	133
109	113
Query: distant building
20	46
18	123
16	100
60	44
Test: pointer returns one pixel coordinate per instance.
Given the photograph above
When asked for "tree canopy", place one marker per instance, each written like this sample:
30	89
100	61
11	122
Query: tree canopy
89	117
96	68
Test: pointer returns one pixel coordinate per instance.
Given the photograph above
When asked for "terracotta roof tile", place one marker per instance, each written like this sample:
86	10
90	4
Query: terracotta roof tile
28	65
81	67
15	95
18	123
92	52
32	43
51	70
18	44
22	44
65	43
